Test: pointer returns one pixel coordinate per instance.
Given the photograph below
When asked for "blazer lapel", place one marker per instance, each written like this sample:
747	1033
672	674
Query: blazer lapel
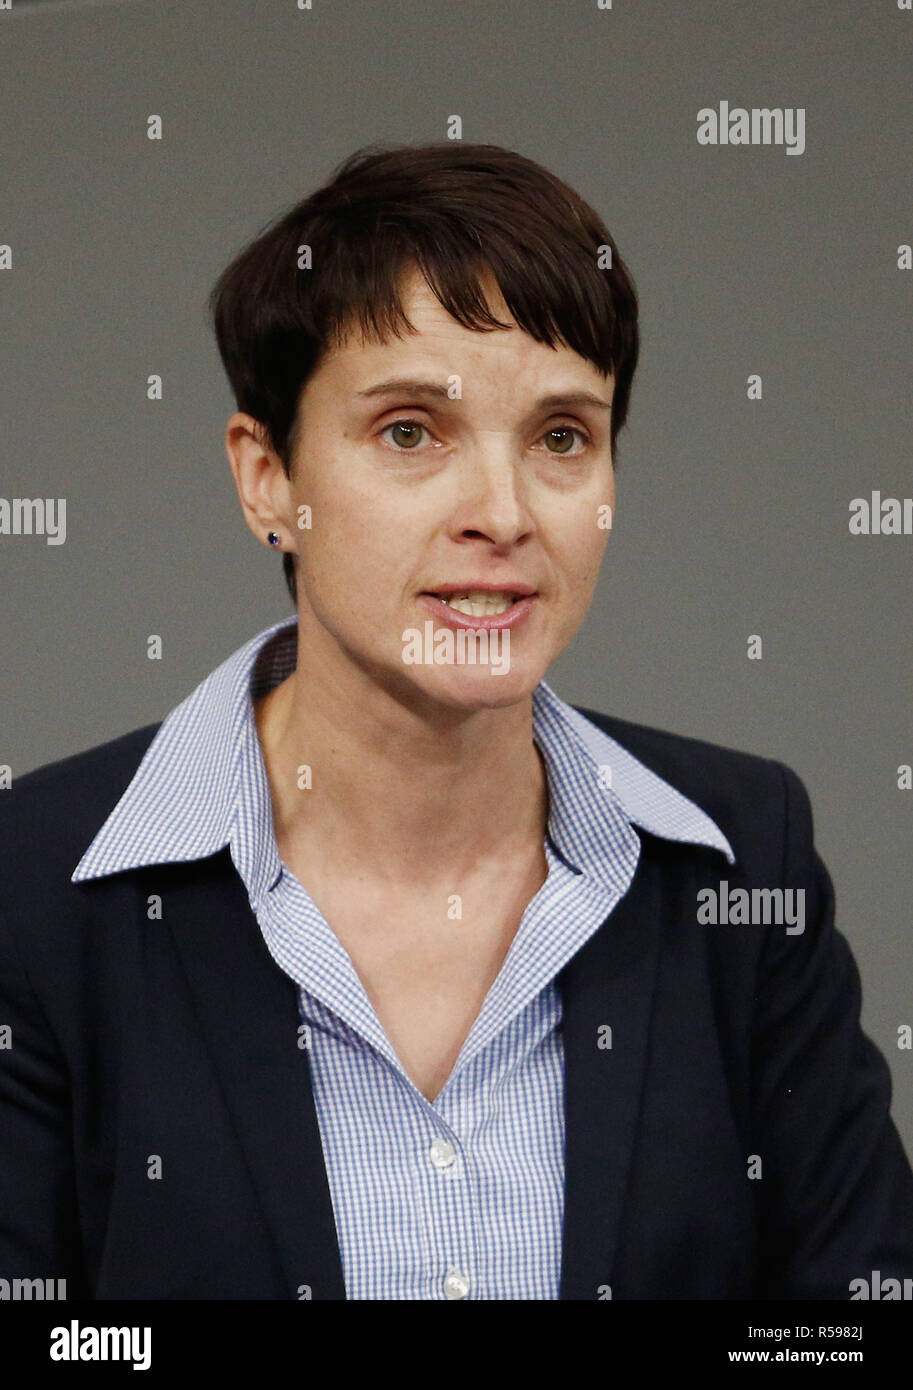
609	982
248	1010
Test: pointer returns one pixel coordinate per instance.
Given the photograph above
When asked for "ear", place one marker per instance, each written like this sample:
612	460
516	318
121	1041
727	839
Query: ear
263	488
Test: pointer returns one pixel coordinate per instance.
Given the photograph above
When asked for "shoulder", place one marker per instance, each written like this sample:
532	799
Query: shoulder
755	800
51	930
49	816
662	751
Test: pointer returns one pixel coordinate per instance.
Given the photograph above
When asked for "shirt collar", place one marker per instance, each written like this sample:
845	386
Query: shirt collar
184	800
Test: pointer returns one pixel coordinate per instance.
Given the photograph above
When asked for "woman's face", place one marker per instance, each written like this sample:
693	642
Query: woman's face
486	476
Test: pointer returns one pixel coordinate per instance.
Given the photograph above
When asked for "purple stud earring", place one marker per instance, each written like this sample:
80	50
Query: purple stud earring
273	538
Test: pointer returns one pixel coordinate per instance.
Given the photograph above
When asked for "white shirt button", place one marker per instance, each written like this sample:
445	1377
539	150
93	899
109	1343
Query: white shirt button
442	1153
456	1285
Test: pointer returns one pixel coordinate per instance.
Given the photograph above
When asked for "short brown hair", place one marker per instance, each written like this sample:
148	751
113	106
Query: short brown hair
454	210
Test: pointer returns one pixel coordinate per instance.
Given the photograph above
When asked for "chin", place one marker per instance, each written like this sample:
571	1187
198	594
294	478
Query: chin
480	688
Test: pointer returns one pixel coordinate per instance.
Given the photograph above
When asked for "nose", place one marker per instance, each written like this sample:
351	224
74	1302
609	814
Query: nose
494	501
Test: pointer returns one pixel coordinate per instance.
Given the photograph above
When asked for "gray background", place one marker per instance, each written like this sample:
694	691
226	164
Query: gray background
732	514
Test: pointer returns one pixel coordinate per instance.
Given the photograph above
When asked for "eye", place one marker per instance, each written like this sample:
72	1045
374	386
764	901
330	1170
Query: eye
408	434
562	436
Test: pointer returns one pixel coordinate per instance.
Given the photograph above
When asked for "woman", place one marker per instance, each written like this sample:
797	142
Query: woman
380	972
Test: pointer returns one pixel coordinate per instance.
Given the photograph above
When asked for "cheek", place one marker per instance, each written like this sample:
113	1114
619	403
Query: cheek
583	548
358	544
344	521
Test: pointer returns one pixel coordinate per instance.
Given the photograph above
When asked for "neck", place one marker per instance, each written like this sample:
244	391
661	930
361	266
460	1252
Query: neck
397	794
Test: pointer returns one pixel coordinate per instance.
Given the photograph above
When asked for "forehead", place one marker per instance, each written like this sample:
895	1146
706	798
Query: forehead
440	343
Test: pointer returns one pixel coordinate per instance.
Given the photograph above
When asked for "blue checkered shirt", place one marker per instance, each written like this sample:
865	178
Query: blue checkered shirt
462	1196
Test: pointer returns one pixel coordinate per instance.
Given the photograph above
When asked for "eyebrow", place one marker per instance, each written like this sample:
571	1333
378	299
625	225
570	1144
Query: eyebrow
436	390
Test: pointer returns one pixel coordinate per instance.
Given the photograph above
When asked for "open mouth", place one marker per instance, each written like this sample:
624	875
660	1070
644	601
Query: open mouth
480	603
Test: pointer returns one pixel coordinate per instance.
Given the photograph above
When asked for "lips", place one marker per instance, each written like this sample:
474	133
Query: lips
440	603
479	602
486	602
511	589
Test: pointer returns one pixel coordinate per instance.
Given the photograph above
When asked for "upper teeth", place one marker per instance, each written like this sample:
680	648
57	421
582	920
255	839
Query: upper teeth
478	603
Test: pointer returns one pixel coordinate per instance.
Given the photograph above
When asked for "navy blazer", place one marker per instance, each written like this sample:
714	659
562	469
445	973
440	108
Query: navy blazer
733	1142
